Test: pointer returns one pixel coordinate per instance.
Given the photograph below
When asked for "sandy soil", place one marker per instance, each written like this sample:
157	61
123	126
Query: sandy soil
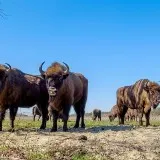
112	142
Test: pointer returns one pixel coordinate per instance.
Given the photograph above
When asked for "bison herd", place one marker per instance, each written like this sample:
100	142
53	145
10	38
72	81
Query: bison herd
55	90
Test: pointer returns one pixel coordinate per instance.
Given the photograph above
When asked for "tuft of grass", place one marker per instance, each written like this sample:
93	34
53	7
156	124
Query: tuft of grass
82	157
38	156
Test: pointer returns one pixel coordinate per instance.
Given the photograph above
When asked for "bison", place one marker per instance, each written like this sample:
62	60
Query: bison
36	111
131	114
113	113
96	114
142	95
65	89
21	89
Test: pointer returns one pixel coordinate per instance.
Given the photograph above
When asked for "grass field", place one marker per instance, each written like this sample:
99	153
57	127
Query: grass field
105	140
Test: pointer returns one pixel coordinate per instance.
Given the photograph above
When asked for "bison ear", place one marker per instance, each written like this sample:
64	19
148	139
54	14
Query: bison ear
43	76
65	76
146	88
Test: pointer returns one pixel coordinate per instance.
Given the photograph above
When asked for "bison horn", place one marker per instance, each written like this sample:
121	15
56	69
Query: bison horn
8	66
40	69
67	70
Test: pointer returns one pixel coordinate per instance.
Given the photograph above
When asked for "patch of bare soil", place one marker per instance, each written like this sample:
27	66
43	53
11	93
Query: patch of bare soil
112	142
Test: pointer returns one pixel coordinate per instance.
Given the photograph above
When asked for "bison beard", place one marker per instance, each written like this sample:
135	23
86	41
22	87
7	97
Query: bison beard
143	95
71	89
21	90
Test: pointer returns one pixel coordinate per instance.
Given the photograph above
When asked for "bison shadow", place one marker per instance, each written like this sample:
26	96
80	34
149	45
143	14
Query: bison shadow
103	129
98	129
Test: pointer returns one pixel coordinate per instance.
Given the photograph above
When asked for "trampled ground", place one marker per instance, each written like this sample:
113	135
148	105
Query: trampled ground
104	141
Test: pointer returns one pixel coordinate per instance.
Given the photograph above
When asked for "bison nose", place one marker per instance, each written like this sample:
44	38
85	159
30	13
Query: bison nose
52	91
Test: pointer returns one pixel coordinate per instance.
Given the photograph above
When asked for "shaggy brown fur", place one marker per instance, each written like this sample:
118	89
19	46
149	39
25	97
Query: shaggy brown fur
96	114
72	89
55	68
143	95
113	113
24	90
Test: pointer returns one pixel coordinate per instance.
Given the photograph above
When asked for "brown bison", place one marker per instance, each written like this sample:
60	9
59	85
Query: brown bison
143	95
65	89
113	113
36	111
24	90
131	115
96	114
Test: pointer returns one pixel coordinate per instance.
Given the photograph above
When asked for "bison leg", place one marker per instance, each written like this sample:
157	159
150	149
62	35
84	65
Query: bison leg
44	110
39	117
65	118
13	112
34	116
82	118
55	117
78	115
147	115
122	114
2	116
140	115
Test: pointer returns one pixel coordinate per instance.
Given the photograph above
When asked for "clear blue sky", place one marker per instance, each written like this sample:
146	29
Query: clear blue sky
113	43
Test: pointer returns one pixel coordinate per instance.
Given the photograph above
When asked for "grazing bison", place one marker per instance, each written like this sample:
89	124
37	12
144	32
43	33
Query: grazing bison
65	89
96	114
36	111
20	89
113	113
142	95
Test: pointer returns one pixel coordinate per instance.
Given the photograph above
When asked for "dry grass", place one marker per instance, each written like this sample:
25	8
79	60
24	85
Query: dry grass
105	140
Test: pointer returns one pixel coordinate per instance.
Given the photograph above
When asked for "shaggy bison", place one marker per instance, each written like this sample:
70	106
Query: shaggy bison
142	95
96	114
20	89
36	111
113	113
65	89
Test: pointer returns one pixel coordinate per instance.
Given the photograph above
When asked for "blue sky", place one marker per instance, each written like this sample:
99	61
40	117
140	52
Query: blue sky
113	43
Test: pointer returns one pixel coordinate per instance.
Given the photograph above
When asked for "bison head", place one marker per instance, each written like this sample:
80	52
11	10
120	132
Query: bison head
54	76
111	117
153	90
3	74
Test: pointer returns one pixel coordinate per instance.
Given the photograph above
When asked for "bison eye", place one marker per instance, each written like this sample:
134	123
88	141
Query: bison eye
60	78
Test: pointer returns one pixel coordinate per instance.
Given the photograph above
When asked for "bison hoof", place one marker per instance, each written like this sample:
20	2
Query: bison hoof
83	126
11	130
53	130
76	126
42	127
65	129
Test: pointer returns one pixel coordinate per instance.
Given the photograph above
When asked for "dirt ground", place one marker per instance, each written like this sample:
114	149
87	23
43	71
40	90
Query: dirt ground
110	142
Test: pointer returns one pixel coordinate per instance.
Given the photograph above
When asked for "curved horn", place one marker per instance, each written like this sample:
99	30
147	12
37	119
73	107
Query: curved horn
8	66
40	68
67	70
